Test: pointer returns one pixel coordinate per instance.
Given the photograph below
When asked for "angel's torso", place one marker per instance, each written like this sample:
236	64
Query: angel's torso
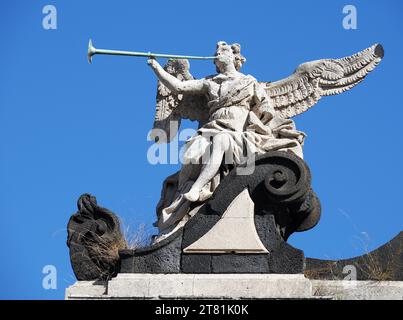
229	98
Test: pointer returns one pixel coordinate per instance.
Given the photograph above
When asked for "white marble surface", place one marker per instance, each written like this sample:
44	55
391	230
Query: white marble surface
232	286
234	232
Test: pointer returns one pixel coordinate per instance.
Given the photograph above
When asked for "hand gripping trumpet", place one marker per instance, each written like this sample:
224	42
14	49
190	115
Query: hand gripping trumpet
93	51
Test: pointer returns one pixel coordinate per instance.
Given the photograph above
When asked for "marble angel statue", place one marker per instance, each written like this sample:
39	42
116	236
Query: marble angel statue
238	115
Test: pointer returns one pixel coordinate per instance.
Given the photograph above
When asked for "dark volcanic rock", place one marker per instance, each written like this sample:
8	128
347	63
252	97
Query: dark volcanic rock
384	263
94	238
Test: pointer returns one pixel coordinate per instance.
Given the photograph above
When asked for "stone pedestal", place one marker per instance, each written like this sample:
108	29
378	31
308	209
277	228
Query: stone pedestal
231	286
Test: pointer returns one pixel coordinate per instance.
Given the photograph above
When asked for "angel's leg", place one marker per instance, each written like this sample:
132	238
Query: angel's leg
221	144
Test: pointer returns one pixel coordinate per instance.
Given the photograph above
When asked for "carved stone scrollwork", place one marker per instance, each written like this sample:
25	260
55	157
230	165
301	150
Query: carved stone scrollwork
288	188
287	181
94	238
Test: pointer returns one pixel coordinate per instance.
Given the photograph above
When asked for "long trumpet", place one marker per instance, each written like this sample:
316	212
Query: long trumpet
93	51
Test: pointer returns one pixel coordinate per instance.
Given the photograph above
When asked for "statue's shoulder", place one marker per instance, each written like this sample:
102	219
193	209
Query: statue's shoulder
250	77
211	76
209	79
220	77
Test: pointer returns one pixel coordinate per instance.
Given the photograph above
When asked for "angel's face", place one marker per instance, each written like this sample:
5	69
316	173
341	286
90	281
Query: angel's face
224	56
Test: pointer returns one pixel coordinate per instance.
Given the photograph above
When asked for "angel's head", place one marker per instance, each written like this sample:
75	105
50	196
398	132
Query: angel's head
227	55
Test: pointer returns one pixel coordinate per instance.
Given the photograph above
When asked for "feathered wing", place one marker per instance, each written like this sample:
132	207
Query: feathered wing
312	80
172	107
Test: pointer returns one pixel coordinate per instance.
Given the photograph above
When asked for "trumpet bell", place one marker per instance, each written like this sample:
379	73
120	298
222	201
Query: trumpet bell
91	51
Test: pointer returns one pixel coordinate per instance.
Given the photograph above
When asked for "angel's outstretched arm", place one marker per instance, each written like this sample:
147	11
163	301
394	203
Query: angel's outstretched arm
174	84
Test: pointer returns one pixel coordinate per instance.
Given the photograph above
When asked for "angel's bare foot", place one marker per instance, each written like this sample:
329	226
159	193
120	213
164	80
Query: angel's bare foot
192	195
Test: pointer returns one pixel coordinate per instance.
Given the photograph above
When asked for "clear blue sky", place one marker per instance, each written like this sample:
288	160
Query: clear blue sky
67	127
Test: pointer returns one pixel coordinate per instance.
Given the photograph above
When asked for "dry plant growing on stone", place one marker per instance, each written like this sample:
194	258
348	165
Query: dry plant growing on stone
136	238
377	267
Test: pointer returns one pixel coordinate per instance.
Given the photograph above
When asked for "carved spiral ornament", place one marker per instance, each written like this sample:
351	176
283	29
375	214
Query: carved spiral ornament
287	179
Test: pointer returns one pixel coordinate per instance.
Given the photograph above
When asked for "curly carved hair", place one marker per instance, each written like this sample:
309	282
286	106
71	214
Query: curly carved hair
239	58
